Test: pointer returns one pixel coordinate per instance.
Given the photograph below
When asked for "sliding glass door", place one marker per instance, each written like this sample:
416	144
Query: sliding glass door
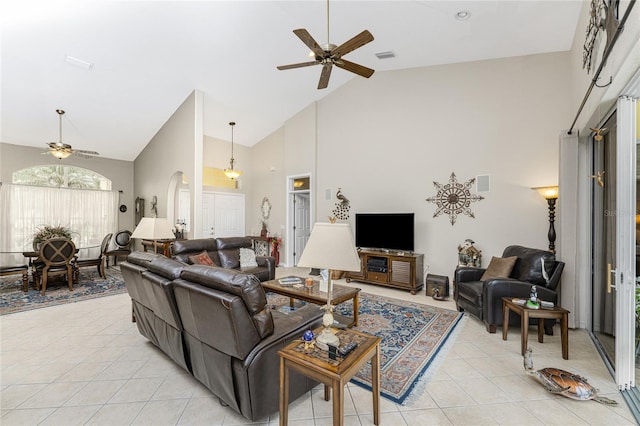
614	173
604	236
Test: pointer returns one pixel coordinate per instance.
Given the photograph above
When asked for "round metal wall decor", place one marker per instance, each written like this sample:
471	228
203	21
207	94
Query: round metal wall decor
454	198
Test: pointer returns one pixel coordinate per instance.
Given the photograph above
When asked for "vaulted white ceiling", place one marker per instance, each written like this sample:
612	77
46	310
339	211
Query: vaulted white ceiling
148	56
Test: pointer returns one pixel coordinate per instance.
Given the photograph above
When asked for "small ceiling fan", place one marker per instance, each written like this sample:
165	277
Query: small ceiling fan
62	150
330	54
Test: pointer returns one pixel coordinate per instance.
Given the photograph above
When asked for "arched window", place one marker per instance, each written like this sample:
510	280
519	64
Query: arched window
56	195
61	176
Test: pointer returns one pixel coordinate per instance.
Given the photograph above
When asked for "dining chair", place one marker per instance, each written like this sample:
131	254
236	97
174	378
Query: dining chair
56	258
99	262
122	241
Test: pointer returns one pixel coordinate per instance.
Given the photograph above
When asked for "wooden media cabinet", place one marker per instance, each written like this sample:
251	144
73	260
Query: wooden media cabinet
402	270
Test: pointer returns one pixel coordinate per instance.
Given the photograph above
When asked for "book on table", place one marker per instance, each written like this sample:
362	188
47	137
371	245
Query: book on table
290	281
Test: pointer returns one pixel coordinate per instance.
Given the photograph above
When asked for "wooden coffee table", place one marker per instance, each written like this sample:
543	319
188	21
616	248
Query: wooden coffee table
543	313
334	374
313	295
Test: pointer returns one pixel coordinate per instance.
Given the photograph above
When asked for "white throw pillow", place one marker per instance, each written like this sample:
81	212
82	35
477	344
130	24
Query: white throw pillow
247	258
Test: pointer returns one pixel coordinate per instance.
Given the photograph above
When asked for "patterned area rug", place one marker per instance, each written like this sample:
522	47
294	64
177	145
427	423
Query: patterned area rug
412	336
91	285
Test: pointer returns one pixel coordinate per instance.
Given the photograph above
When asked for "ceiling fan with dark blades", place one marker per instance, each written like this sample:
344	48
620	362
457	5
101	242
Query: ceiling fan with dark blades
330	54
62	150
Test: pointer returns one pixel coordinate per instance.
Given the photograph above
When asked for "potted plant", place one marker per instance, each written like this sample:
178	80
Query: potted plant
46	232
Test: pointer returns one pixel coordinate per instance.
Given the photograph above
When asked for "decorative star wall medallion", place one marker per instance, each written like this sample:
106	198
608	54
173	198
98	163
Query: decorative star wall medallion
454	198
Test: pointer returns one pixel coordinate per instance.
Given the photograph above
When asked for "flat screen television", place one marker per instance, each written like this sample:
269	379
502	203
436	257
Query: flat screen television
390	231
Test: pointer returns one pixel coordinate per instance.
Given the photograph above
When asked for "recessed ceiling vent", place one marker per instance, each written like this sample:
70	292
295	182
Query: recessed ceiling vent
385	55
79	63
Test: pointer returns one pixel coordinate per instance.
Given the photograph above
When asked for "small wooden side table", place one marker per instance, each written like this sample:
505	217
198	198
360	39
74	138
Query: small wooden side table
543	313
158	246
334	374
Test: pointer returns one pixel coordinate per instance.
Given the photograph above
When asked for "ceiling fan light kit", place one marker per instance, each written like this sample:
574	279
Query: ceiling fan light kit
232	173
329	54
62	150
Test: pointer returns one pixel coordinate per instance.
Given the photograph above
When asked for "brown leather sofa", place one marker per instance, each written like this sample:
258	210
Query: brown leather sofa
483	299
216	324
225	252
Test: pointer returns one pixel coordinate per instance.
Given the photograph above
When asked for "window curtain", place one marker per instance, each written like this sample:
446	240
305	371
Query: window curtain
89	214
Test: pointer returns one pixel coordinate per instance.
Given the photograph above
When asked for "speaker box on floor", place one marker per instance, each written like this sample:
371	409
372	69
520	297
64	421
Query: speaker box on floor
439	282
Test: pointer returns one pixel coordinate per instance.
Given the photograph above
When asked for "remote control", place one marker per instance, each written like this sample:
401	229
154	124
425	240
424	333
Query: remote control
546	304
346	349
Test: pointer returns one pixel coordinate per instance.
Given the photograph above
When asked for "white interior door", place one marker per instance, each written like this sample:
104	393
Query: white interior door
302	223
222	214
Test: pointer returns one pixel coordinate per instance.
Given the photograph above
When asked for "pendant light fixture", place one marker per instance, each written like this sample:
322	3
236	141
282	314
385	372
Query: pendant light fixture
231	173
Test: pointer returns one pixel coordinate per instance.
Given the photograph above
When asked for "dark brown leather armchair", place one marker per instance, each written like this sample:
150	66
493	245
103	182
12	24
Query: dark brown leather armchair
483	299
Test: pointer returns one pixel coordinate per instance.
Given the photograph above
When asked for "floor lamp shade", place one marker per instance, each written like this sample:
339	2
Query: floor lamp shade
331	246
153	228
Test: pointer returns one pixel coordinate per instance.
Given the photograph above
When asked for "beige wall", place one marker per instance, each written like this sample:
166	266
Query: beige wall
15	157
385	140
169	152
268	180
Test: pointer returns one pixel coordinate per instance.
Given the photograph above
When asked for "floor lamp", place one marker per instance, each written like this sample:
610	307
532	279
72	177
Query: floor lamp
153	228
330	246
550	193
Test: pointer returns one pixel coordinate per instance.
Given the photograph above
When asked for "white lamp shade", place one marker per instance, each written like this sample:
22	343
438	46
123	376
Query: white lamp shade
153	228
331	246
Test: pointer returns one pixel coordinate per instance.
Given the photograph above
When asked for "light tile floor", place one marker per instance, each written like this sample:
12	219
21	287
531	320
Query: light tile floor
86	363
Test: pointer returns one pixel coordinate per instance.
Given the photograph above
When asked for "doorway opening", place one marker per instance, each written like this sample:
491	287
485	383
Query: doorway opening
299	216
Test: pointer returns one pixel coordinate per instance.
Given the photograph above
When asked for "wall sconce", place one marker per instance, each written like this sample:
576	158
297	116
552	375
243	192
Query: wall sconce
550	193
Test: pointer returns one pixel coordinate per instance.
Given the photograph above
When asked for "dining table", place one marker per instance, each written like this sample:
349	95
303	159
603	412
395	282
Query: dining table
32	257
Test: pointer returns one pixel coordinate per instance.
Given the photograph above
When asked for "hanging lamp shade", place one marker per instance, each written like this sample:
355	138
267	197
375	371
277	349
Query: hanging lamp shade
232	173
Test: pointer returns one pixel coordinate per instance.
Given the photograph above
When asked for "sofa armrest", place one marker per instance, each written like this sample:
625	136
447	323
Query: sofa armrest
288	327
270	263
497	288
468	273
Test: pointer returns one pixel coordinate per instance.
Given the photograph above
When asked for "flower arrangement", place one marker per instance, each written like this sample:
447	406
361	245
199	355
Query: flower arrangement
276	241
46	232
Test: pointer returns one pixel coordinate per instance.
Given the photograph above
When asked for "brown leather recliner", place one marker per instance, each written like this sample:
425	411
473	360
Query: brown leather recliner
149	281
216	323
225	252
483	299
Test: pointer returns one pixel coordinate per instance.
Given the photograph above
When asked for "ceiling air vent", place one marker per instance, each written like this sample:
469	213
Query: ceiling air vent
385	55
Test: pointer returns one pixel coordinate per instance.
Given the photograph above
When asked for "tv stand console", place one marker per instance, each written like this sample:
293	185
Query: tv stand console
402	270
